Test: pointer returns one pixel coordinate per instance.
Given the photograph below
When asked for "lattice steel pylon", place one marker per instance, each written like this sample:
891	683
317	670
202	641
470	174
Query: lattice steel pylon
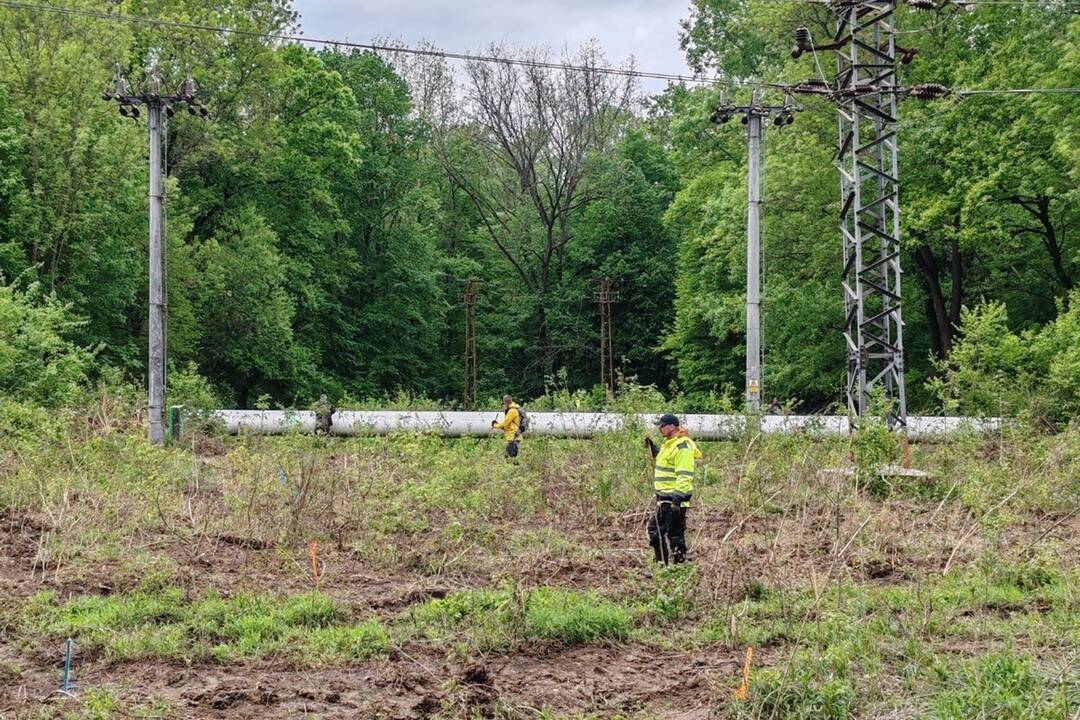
865	91
605	296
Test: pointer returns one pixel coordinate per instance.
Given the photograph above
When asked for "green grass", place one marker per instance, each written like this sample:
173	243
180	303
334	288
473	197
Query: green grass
1002	686
163	625
552	552
497	619
918	637
312	628
575	618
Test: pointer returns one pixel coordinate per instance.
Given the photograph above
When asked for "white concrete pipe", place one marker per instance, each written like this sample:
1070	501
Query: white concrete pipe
565	424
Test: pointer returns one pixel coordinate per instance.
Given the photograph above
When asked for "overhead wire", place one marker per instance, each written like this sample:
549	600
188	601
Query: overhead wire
1049	4
468	57
1017	91
522	62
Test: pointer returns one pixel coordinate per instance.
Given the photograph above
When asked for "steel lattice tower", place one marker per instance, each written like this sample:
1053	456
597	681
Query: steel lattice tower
605	296
866	93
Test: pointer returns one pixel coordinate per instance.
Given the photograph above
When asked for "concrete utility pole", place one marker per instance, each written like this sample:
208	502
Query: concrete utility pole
156	367
752	116
159	109
753	260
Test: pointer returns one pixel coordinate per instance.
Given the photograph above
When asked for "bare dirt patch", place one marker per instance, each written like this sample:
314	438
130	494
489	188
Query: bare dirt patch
415	683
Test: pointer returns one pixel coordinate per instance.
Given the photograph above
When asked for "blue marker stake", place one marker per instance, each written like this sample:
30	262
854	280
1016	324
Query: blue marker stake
67	687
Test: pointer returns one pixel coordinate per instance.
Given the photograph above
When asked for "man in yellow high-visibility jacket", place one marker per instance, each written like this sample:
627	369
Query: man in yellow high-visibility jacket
509	425
673	482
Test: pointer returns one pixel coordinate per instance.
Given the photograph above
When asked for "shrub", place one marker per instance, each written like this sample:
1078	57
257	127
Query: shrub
992	370
38	363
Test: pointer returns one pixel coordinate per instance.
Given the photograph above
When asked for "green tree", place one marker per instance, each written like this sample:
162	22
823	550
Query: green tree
246	314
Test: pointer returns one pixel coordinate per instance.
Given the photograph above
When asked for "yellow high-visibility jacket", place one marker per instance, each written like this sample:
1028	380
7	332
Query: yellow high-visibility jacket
510	422
674	471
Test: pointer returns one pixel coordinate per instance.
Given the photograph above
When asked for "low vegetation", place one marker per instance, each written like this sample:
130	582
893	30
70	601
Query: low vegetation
945	596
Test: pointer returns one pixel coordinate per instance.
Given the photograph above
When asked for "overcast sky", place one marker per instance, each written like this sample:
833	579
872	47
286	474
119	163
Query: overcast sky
646	29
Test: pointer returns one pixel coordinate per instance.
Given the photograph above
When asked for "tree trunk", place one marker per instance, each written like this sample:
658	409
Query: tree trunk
1053	246
937	314
957	299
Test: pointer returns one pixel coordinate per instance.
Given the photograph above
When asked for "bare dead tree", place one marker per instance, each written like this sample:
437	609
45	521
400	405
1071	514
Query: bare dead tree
514	137
432	81
535	127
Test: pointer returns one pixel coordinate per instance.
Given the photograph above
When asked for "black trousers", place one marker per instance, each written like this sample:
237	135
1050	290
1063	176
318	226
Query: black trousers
667	531
512	449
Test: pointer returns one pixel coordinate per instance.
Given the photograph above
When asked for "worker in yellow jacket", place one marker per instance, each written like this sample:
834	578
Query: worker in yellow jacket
510	423
673	483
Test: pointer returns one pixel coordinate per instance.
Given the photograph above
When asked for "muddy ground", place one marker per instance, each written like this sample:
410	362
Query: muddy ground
421	680
416	681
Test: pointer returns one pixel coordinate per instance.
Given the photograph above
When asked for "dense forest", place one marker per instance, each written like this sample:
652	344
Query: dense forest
322	221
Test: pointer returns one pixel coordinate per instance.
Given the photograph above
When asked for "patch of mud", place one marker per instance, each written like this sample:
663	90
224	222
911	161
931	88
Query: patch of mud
21	554
413	685
611	681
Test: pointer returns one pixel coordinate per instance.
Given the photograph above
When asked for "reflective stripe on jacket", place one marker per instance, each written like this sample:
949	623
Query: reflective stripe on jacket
674	471
510	422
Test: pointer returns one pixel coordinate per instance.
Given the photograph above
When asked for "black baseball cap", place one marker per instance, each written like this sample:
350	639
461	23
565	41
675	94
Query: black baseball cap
668	420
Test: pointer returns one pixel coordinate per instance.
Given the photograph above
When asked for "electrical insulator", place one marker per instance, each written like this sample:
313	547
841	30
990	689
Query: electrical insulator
134	112
745	119
124	111
155	88
106	95
169	112
907	55
802	37
790	118
203	112
724	109
720	115
922	4
929	91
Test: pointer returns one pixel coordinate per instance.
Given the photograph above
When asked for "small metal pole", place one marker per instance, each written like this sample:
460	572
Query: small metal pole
67	687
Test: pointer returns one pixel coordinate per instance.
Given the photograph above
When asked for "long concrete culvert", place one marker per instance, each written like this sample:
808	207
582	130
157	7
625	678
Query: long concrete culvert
569	424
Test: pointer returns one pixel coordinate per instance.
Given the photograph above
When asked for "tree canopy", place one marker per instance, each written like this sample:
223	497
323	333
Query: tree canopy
322	222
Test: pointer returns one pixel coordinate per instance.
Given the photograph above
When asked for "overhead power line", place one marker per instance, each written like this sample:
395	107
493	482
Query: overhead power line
287	37
1048	4
522	62
1017	91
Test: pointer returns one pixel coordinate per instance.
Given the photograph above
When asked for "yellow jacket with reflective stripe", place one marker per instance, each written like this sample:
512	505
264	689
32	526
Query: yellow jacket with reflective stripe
510	422
674	471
